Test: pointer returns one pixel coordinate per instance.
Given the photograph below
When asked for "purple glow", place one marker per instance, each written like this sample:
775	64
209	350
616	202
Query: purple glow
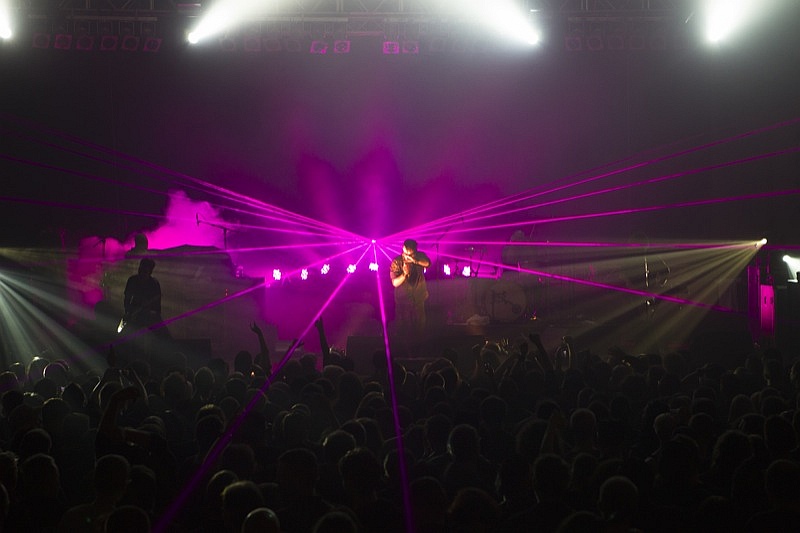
275	229
408	511
385	253
169	514
180	224
311	323
132	168
391	47
302	246
580	244
519	197
222	192
606	191
85	274
326	267
696	203
286	216
185	222
374	255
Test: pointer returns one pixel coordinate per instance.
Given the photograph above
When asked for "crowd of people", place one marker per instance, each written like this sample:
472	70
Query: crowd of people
526	441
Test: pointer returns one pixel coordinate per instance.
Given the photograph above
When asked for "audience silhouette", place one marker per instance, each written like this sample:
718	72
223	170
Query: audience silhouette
529	439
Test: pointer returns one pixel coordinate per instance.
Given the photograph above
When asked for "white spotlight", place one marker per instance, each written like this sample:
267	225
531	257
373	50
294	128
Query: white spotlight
222	16
5	21
446	270
505	18
792	267
761	243
724	17
276	274
373	267
351	269
466	272
325	269
304	274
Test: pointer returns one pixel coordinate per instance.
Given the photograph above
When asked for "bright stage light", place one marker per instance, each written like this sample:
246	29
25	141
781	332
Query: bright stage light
351	269
27	327
373	267
505	18
724	17
761	243
276	274
793	267
5	20
304	274
225	14
325	269
467	271
446	270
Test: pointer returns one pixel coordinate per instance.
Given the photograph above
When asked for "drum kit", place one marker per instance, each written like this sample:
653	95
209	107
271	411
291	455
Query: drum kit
505	301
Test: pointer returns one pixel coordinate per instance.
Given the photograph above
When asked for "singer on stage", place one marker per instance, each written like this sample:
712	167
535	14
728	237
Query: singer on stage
410	291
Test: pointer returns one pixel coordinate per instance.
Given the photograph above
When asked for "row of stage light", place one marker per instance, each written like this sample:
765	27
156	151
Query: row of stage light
448	270
575	41
224	21
100	43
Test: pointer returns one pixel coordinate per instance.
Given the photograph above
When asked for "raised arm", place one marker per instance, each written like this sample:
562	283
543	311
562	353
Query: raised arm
110	429
422	260
323	341
540	353
262	358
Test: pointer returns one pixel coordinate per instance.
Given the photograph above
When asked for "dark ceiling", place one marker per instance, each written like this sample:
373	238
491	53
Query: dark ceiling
375	143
